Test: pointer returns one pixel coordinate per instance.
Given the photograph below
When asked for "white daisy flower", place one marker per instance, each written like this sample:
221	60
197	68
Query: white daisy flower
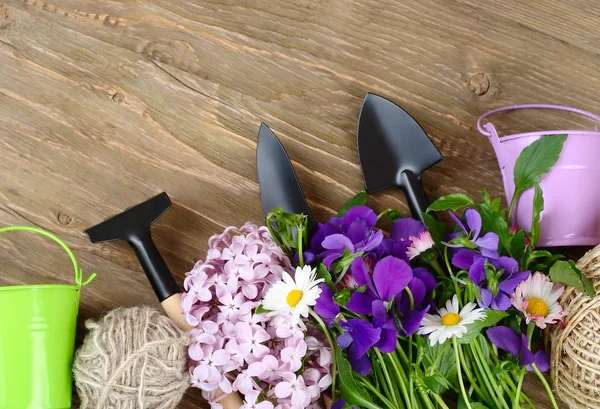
419	245
537	297
294	295
450	321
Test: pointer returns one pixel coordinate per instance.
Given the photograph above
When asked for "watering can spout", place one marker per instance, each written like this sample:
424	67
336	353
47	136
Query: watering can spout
133	226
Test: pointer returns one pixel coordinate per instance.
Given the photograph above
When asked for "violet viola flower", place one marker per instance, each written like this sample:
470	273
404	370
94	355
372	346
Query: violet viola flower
399	241
496	289
420	285
360	336
486	244
390	276
326	306
505	339
355	232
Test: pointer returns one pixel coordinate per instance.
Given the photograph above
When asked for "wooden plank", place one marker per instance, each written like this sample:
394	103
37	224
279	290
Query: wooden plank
105	104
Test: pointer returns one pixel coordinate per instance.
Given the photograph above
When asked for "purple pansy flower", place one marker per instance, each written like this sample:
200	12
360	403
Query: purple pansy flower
355	231
420	285
486	244
503	286
325	306
390	276
360	336
399	239
506	339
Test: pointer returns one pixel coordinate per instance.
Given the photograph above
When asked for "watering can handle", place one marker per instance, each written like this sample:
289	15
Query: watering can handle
78	273
483	129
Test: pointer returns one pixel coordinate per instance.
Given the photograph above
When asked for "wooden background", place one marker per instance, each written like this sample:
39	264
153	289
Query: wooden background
104	104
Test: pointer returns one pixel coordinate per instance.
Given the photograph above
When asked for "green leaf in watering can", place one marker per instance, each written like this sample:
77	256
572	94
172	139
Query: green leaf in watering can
537	159
538	208
534	162
436	228
454	201
359	200
517	245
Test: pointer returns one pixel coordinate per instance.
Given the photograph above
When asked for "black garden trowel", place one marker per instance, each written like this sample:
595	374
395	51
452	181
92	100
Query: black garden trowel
133	226
394	150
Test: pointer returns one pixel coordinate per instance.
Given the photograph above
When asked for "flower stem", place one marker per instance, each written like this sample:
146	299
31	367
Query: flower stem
300	233
332	347
470	376
411	387
383	399
401	378
517	399
439	401
386	374
546	385
460	379
449	267
487	376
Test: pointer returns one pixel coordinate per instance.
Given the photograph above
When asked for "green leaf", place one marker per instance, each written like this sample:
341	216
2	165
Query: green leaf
493	221
436	228
342	297
393	214
474	405
536	160
352	392
436	383
323	273
538	208
261	310
565	272
492	317
485	197
359	200
517	245
454	201
495	205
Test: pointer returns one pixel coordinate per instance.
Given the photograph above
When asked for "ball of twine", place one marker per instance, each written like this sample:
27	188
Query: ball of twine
132	358
576	348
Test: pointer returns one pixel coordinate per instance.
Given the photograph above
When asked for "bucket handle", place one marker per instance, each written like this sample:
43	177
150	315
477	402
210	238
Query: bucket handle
483	129
78	272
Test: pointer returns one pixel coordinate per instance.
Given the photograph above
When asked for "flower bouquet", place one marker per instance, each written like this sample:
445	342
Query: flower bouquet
415	319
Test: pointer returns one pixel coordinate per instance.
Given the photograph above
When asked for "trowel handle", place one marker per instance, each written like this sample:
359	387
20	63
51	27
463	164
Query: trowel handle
417	200
157	271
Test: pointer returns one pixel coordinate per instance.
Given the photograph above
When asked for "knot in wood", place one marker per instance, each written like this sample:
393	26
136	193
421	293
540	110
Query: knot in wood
479	84
64	218
5	19
118	98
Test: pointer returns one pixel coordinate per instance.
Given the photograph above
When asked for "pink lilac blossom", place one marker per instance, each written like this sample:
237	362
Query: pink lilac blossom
269	360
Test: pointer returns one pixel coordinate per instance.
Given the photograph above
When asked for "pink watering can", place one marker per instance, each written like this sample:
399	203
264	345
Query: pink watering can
571	215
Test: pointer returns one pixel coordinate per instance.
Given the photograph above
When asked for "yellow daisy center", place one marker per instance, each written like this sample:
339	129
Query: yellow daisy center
294	297
537	307
450	319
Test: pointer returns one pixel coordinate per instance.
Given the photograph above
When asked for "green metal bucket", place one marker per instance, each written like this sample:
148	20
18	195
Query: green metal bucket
37	339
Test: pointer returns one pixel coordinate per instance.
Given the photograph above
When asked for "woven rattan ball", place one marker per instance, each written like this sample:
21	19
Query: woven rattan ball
576	348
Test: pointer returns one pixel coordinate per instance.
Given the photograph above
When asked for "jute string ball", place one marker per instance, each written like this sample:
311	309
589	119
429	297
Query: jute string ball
576	348
132	358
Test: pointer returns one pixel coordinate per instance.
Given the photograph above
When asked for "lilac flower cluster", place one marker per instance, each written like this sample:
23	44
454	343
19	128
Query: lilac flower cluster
273	362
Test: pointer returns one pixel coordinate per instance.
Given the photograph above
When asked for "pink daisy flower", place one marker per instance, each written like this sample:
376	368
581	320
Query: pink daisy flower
537	298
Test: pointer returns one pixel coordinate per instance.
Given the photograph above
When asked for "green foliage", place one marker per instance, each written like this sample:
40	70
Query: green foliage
436	228
567	273
492	317
538	208
342	297
516	247
393	214
359	200
323	273
454	202
536	160
494	221
352	392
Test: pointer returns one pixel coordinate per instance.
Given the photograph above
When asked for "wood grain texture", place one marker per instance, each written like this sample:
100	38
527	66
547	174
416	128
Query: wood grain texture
106	103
